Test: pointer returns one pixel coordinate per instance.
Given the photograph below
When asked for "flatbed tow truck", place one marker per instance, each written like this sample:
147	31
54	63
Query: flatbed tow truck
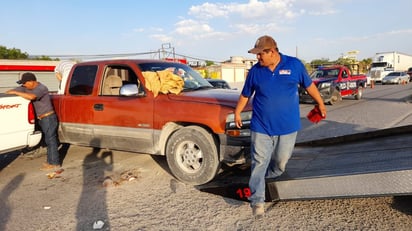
375	163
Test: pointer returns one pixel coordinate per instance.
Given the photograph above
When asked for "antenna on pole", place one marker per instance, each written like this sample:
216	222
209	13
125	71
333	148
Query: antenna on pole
296	51
166	46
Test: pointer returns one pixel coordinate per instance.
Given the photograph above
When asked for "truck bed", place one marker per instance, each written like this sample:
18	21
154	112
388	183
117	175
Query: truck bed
375	163
16	131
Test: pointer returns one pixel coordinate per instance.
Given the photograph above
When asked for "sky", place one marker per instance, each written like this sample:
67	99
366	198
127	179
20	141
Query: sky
214	30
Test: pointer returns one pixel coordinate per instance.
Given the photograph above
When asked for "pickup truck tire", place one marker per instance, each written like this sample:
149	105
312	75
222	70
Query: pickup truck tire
192	156
335	98
359	93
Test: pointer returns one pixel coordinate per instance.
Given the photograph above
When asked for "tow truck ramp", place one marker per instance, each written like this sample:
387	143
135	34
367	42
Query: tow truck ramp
377	163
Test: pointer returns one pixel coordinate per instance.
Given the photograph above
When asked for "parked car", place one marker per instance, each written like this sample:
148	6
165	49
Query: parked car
396	77
219	83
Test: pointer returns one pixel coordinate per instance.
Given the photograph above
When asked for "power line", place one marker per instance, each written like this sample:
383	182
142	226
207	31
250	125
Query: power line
199	59
127	55
100	55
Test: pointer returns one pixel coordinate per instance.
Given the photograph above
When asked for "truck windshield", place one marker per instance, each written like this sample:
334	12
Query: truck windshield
326	73
192	79
380	64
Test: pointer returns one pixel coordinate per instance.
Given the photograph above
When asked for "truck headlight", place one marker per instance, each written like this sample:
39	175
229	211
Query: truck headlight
324	85
231	128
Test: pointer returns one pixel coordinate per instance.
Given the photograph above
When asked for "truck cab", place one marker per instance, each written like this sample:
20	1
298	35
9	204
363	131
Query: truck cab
379	70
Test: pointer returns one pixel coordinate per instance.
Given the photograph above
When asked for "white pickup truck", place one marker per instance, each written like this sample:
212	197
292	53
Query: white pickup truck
17	124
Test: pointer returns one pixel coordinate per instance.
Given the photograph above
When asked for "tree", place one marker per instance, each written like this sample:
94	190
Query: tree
43	57
365	65
319	62
209	63
14	53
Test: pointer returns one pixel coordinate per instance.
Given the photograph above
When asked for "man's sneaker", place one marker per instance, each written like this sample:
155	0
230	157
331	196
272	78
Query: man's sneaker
258	210
49	167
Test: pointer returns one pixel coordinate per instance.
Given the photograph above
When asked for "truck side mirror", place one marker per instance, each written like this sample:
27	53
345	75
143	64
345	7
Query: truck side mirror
129	90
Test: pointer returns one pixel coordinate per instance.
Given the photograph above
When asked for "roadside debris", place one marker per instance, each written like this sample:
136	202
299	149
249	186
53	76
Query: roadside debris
55	174
98	224
125	176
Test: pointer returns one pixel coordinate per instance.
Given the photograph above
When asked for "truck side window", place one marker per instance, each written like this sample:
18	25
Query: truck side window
344	74
121	75
82	80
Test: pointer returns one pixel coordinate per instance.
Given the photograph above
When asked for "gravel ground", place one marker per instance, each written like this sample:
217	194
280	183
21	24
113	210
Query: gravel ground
126	191
140	194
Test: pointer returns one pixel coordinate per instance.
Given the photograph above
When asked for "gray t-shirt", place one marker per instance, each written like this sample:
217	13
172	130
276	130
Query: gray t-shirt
42	104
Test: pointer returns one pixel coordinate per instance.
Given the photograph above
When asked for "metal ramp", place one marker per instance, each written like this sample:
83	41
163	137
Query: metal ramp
377	163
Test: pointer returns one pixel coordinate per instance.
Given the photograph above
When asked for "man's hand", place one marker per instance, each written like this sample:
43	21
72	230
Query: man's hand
239	107
322	109
314	93
238	121
11	92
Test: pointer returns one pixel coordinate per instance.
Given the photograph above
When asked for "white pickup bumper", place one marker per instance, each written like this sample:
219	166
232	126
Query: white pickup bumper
33	138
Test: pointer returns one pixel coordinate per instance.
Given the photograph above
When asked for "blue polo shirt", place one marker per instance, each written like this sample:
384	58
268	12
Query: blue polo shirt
275	96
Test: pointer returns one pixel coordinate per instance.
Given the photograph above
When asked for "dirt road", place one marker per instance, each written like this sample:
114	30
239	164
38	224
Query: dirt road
148	198
127	191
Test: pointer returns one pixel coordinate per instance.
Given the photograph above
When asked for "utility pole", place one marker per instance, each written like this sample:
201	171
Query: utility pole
164	52
296	51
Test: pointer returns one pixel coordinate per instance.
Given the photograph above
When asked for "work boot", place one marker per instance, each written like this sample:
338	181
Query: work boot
258	210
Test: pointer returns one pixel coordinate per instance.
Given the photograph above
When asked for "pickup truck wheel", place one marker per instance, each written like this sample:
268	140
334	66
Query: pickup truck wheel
192	156
359	94
335	98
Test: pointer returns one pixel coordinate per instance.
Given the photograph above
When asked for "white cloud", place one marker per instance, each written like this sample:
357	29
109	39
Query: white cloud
254	9
318	7
190	27
209	10
138	30
209	22
161	37
256	28
222	19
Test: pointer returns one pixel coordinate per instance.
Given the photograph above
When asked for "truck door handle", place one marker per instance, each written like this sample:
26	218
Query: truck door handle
98	107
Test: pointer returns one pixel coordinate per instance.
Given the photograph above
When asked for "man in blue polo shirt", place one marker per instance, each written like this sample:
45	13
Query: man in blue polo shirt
273	82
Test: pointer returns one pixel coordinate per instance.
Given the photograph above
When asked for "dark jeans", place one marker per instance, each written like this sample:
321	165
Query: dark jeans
49	127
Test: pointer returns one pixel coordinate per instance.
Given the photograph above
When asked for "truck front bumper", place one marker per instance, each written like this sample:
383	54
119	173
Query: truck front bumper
304	97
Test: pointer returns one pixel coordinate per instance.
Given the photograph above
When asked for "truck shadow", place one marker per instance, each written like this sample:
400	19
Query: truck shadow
7	158
403	204
162	162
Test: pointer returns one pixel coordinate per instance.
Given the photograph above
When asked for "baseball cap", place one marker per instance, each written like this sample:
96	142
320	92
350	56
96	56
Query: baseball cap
26	77
263	43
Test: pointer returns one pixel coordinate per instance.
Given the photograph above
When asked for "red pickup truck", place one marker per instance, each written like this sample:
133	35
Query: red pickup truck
335	82
113	104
